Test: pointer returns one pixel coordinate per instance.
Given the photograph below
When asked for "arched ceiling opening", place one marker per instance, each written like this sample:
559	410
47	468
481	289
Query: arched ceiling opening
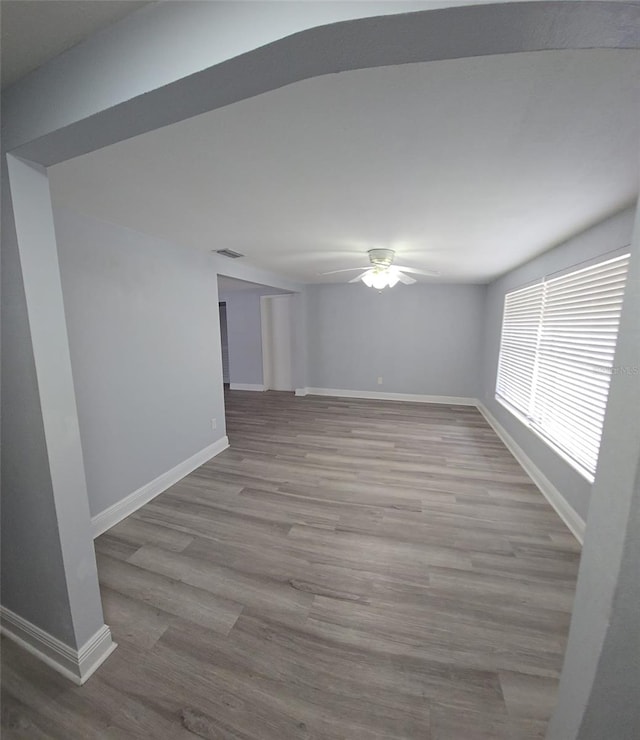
466	166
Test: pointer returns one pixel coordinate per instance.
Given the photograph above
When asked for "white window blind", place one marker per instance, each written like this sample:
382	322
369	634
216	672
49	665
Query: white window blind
519	346
556	356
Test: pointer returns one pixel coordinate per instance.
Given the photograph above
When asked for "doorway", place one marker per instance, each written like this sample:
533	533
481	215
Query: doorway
224	340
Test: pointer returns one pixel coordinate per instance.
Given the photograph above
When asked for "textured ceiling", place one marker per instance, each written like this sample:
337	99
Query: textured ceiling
468	166
34	31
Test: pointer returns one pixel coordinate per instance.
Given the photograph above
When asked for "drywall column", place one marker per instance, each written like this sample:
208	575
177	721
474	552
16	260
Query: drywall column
598	695
300	342
49	568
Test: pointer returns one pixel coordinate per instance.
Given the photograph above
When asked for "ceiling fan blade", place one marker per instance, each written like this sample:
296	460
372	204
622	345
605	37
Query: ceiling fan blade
405	278
359	277
348	269
415	271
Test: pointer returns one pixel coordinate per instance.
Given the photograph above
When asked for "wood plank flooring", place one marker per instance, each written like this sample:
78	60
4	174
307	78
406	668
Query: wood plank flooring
347	570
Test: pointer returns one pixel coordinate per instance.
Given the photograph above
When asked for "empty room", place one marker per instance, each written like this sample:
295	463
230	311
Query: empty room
320	370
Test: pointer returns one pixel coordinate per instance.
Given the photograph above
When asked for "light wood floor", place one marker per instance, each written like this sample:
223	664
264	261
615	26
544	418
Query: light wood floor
347	569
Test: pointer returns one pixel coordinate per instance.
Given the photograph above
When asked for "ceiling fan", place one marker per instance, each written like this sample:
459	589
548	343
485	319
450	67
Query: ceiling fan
383	272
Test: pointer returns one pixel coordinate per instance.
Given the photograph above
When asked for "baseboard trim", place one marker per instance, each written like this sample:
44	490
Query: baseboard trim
302	391
76	665
384	396
565	511
126	506
246	387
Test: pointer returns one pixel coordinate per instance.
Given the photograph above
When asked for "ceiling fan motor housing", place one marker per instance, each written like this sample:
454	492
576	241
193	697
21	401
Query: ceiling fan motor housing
381	257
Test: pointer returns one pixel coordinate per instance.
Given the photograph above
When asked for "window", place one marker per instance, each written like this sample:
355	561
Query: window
556	356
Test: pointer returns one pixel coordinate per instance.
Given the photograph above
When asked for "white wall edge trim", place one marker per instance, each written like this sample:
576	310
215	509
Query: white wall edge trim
126	506
565	511
384	396
246	387
302	391
76	665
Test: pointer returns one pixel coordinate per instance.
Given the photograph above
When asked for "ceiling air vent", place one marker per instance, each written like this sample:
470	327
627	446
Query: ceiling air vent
229	253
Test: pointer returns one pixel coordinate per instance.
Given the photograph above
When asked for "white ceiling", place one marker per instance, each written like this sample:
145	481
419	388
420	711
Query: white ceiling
468	167
34	31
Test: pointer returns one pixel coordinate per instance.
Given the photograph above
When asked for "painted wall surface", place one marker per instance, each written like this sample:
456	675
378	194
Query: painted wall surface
605	237
422	338
244	337
300	341
244	331
144	336
277	343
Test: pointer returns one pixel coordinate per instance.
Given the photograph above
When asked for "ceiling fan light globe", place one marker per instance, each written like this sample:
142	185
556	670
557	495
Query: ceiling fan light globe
392	279
367	279
380	280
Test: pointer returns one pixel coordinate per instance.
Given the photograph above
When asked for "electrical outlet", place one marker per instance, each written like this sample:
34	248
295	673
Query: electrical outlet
379	381
214	424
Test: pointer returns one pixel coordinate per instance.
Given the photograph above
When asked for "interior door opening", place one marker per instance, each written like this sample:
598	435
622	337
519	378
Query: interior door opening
224	341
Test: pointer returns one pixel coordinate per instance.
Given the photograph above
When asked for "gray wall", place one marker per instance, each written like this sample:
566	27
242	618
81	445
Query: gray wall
605	237
244	336
244	329
422	338
300	339
144	336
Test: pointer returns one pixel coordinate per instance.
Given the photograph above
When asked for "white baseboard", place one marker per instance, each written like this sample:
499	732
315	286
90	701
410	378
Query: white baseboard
121	509
76	665
564	510
246	387
384	396
302	391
